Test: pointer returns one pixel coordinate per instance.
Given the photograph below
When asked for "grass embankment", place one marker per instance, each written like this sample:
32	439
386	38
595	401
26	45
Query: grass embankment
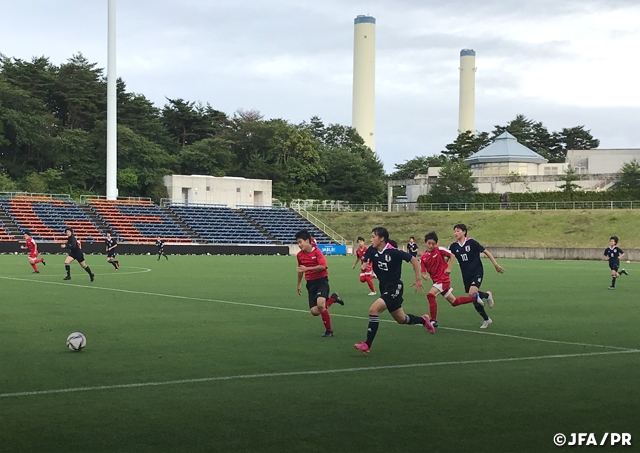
580	229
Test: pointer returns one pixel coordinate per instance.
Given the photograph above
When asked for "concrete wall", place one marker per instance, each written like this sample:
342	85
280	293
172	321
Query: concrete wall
557	253
602	160
226	190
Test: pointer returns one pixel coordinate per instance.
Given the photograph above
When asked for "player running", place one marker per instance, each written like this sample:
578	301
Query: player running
412	247
75	253
313	266
467	251
436	262
366	271
111	244
387	263
613	253
160	245
33	252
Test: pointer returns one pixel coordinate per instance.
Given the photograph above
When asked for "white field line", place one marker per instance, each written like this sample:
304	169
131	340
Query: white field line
305	373
297	310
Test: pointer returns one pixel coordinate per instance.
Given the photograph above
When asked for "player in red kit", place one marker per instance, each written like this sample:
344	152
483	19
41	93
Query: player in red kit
33	252
313	266
366	269
435	262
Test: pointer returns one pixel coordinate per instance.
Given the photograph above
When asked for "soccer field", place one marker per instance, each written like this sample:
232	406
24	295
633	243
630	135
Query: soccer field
219	353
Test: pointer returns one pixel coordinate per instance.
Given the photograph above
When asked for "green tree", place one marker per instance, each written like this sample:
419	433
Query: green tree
211	156
419	165
629	176
6	183
466	144
576	138
570	175
80	93
454	184
534	135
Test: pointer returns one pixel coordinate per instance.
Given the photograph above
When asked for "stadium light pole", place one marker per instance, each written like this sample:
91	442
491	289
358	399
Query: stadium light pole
112	125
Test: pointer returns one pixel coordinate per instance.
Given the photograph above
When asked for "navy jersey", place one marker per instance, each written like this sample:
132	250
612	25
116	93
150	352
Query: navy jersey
613	253
160	244
111	243
412	248
72	244
387	264
468	256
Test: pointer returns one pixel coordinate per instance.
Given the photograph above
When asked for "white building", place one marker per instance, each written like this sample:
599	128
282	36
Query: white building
227	190
494	168
599	161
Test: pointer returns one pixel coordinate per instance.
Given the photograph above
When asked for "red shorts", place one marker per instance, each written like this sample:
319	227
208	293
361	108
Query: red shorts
33	256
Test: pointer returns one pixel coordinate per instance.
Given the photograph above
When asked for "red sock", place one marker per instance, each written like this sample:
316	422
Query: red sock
433	306
370	283
35	268
463	300
329	302
326	319
39	261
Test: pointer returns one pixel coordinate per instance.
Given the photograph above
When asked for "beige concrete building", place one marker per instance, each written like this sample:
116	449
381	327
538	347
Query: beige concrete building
230	191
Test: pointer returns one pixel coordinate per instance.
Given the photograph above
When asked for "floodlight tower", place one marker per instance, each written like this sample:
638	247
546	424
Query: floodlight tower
364	78
112	136
466	118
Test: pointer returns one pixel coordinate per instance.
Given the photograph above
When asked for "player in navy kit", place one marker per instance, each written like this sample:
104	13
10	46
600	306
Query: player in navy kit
160	245
412	247
467	251
75	253
387	264
613	253
111	244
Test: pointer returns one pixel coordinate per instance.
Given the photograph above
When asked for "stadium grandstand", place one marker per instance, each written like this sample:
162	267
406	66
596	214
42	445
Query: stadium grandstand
47	216
139	220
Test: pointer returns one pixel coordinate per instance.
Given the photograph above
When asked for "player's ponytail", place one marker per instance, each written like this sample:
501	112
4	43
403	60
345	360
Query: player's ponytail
392	243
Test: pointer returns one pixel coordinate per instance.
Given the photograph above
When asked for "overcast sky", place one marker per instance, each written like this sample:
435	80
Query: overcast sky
562	62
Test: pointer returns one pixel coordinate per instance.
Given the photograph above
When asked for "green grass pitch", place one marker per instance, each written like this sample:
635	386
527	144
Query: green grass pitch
219	353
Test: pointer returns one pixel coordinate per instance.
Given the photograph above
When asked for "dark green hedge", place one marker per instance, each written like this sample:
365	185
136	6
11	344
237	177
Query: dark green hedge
533	197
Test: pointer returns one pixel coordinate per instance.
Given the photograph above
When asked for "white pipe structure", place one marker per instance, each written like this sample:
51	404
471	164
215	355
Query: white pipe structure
364	78
467	109
112	125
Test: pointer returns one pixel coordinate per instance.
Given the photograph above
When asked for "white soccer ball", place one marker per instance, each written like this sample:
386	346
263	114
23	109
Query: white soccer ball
628	261
76	341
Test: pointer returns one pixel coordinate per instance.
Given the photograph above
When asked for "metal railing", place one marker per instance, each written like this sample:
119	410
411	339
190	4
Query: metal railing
53	196
323	227
517	206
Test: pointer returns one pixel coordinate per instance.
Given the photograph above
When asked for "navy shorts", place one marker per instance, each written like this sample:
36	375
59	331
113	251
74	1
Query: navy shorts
111	254
392	295
614	265
78	256
475	280
317	288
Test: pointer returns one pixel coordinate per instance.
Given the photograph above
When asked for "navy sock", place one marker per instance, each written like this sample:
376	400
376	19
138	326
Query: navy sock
613	282
68	269
483	294
374	322
413	319
480	309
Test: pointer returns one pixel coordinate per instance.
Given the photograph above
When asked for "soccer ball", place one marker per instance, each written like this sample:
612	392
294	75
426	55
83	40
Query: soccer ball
76	341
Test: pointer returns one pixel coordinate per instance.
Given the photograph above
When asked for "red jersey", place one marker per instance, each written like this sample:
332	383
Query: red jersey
366	268
312	259
434	264
31	245
360	252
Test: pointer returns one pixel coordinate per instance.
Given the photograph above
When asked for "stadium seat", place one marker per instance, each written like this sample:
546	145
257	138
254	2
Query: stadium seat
284	223
138	221
46	217
219	224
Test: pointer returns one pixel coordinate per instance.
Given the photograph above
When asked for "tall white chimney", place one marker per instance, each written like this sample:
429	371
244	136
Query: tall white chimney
467	112
364	78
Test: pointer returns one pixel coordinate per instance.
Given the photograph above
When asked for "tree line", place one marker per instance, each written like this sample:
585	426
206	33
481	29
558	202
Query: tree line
53	139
